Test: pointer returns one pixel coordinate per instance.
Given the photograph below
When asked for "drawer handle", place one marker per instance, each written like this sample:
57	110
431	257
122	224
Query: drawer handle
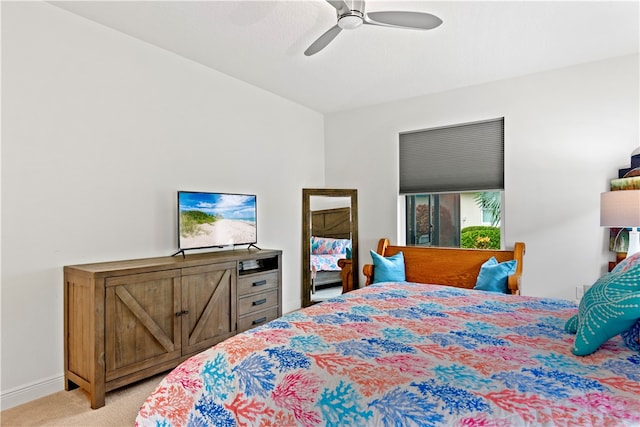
260	283
258	321
260	301
182	313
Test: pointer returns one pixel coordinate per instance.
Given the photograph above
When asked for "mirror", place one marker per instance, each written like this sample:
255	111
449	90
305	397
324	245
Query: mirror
330	217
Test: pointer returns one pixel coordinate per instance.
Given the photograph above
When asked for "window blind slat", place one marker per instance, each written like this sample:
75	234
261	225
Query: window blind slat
465	157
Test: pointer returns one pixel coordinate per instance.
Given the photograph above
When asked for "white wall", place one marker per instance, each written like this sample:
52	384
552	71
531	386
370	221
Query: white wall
470	212
99	131
566	134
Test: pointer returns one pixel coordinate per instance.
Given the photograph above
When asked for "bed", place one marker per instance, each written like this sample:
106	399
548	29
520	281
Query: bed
330	242
406	353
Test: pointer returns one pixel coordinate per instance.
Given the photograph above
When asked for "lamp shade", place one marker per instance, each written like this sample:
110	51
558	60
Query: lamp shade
620	208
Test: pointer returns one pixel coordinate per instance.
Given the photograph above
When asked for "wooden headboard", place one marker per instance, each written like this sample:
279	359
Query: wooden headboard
448	266
333	223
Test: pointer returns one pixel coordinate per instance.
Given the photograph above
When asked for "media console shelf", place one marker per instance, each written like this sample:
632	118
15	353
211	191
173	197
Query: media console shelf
127	320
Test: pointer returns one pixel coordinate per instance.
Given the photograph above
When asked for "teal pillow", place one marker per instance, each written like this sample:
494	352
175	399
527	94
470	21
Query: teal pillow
388	269
611	306
493	275
347	253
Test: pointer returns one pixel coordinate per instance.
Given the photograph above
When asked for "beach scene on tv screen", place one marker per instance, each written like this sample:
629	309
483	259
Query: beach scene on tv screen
211	219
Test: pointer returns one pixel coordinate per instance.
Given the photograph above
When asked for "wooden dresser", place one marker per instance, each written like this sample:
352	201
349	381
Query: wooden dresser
128	320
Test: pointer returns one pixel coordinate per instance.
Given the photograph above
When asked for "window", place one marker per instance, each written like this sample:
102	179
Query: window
452	180
486	216
464	219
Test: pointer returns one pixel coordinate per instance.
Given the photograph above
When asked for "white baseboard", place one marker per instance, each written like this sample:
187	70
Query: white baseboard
33	391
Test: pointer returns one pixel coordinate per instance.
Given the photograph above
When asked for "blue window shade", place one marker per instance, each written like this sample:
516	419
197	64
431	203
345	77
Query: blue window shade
465	157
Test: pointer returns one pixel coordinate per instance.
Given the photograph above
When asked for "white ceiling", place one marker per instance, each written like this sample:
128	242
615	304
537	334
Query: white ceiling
262	43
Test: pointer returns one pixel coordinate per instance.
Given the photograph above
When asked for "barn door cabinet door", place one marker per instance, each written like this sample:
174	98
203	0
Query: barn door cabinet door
142	329
157	317
208	305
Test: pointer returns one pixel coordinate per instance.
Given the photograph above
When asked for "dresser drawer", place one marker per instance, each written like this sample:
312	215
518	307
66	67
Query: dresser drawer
256	319
257	302
257	283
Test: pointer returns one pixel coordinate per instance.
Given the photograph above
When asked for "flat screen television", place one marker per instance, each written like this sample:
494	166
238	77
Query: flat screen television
208	220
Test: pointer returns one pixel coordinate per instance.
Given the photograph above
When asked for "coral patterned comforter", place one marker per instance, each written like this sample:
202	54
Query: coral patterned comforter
326	262
396	354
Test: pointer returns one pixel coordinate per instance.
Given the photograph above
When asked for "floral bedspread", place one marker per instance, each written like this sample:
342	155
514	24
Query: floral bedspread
396	354
326	262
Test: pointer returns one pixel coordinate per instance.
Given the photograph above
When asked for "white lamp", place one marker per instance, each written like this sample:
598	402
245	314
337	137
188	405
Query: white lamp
622	209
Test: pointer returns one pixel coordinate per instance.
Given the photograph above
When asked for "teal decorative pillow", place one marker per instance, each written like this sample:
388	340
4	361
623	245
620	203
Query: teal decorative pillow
347	253
388	269
611	306
493	275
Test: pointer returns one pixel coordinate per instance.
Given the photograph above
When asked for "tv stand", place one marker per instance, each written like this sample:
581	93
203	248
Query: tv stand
128	320
181	251
254	245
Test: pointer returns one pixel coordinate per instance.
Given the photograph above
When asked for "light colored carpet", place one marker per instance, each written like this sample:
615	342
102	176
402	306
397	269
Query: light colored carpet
323	294
71	408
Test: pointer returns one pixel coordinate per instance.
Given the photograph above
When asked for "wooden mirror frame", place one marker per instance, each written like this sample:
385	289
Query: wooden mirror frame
307	193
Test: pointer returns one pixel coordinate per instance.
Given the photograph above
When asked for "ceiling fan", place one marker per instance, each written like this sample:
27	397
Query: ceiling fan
351	15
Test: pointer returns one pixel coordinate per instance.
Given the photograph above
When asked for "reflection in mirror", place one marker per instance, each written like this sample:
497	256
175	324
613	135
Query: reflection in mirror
329	242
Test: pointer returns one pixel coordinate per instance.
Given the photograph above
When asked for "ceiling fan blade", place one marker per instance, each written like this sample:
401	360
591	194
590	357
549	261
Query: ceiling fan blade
340	5
413	20
323	40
